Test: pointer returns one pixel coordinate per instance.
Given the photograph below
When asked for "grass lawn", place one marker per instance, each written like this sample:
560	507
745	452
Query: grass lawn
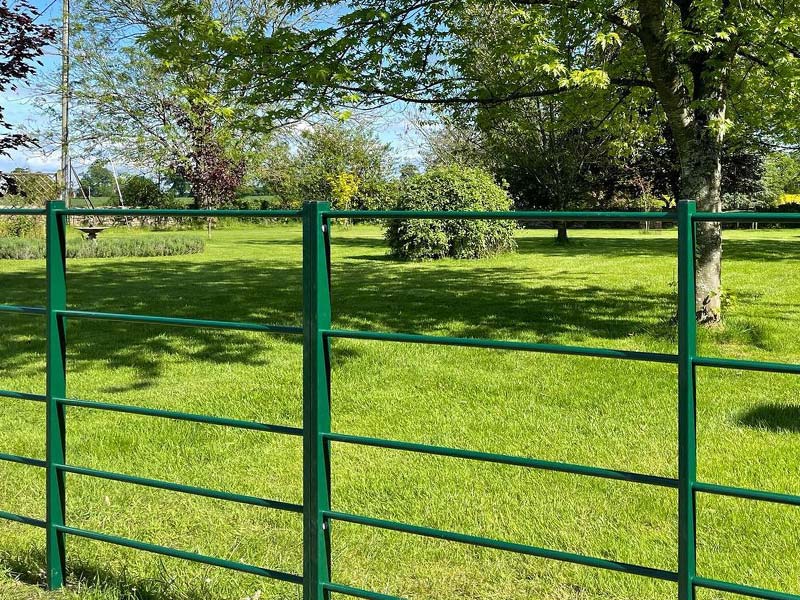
608	288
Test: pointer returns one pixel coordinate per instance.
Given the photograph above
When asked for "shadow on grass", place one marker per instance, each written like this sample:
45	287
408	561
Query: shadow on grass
772	417
30	569
480	301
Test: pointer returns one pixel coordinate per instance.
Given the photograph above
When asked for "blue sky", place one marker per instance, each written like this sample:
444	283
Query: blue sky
393	125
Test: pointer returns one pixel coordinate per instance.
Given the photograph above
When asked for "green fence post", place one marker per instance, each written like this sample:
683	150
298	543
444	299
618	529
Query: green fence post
56	388
687	405
316	403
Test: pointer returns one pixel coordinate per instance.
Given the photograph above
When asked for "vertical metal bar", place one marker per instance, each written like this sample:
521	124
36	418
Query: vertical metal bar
687	404
316	403
56	388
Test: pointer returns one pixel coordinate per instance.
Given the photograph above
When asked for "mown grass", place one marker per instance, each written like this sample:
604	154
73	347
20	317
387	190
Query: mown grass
607	288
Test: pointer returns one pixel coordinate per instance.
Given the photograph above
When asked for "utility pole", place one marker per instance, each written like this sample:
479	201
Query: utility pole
65	94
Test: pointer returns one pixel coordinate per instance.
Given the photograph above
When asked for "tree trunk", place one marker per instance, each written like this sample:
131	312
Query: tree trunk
692	112
562	237
701	178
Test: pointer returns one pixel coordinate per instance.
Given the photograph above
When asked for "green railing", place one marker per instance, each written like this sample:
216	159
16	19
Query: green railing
317	579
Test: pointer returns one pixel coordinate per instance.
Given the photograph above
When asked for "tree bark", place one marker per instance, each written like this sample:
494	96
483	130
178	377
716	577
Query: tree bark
695	119
701	176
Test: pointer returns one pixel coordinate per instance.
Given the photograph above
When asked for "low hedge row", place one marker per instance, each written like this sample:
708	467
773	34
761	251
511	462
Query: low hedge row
141	246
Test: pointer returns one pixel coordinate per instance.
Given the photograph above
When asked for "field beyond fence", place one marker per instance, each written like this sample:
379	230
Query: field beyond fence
614	408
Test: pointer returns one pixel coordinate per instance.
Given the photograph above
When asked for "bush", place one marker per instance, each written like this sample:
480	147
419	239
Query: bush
141	192
451	188
25	226
142	246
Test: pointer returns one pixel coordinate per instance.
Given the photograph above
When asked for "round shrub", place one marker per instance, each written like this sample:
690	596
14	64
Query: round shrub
142	192
451	188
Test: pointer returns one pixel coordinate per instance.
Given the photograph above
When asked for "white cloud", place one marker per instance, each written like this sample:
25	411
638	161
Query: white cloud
35	161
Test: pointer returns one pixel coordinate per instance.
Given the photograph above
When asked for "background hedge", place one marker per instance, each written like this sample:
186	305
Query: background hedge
111	247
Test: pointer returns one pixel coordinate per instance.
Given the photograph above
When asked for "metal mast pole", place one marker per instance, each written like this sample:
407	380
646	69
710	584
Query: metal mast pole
65	94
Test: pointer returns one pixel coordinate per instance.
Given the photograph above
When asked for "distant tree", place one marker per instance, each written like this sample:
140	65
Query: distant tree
98	179
164	113
278	175
743	171
408	170
177	184
212	171
22	42
335	153
141	192
782	175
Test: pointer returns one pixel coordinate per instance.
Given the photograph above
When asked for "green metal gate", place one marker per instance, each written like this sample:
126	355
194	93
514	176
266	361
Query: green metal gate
317	579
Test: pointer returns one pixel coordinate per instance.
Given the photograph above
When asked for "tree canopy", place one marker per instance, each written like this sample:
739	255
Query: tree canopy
710	69
22	42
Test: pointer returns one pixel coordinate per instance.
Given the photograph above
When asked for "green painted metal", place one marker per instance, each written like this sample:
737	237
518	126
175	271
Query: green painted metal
316	404
56	380
411	338
747	365
182	416
503	459
32	212
743	590
516	215
474	540
357	593
744	217
181	322
182	554
24	310
184	489
687	427
317	437
7	516
22	396
747	494
23	460
181	212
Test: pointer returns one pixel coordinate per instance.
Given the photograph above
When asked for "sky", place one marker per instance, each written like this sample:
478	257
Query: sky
18	109
392	125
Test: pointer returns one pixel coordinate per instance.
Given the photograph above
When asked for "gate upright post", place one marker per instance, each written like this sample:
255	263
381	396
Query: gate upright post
687	403
55	430
316	403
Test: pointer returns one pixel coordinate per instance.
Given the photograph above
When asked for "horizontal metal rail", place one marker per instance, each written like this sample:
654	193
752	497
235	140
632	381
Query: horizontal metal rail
22	396
435	340
743	217
22	310
33	212
180	322
519	215
179	212
346	590
181	554
747	494
503	459
23	460
7	516
473	540
747	365
183	416
742	590
184	489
